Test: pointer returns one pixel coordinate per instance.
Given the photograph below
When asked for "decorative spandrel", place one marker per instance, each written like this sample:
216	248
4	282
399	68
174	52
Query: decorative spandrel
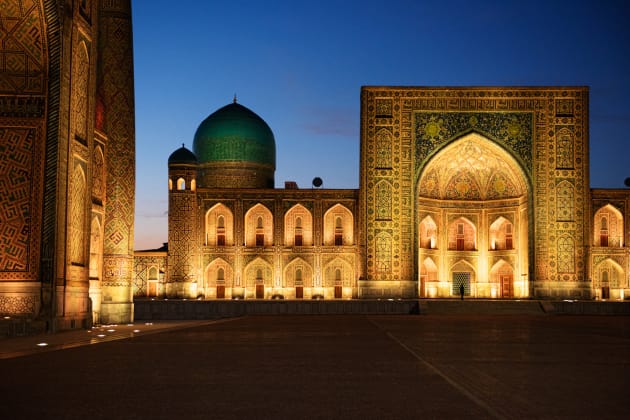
513	130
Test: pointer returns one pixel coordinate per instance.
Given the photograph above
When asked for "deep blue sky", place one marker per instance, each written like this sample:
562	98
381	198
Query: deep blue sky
300	66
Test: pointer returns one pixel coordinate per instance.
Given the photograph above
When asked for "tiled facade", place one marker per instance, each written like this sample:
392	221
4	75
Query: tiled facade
67	153
482	187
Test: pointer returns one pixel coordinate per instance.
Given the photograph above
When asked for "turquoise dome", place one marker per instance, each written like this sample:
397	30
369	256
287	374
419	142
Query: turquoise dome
234	133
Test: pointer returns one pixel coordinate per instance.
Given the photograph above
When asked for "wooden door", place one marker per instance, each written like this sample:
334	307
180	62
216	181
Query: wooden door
299	292
220	292
260	291
507	286
337	292
152	289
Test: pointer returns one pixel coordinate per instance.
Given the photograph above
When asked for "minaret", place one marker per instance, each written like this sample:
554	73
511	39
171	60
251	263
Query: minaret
116	94
183	246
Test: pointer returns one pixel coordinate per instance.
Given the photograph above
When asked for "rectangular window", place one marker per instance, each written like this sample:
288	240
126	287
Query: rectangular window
221	240
260	239
338	239
298	240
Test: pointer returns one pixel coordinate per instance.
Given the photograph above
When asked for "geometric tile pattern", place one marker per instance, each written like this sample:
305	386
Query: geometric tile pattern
542	132
22	52
16	206
115	84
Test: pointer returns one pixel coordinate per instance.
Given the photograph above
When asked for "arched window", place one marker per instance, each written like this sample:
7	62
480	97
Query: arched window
170	184
603	232
338	226
259	226
259	275
428	233
181	184
298	231
501	234
220	230
220	274
338	275
462	235
193	185
260	232
298	276
338	231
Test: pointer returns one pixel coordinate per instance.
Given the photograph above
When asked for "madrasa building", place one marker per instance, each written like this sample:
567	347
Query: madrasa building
482	187
485	188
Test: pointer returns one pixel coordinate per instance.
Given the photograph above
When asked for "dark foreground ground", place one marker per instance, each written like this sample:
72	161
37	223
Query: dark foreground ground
353	366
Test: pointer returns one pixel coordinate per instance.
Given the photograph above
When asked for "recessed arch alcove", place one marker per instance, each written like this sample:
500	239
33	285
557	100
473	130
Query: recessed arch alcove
467	186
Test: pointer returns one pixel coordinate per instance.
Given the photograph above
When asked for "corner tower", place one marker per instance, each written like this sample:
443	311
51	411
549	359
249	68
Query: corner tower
236	149
183	248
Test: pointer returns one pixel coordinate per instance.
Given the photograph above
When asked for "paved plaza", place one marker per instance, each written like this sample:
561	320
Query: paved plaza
352	366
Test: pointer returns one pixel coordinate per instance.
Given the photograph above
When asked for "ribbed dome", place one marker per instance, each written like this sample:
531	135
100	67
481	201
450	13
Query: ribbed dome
182	155
234	133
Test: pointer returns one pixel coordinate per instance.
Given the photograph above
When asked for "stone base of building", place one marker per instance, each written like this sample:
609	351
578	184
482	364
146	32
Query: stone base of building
562	290
385	289
20	298
116	313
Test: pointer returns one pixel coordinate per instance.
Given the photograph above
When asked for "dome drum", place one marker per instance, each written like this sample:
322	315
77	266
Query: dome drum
236	175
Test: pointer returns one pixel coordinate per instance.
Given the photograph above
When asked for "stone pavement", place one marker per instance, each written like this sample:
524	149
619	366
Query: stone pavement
350	366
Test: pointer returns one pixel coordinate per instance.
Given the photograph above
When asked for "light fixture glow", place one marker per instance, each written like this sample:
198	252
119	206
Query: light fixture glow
42	344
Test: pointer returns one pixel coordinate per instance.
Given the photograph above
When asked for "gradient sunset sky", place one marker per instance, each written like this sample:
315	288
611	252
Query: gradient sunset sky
300	65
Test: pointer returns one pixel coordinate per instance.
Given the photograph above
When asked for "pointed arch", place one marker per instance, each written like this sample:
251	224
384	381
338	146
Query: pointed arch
608	227
98	173
608	273
219	226
298	273
428	233
502	277
218	273
338	272
181	184
462	273
96	248
298	226
462	235
501	234
258	272
80	87
338	226
472	167
258	226
77	214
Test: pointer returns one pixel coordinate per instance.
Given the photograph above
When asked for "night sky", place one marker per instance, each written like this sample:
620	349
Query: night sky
300	65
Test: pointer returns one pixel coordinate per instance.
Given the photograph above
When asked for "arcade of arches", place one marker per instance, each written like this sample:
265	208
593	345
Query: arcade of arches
481	187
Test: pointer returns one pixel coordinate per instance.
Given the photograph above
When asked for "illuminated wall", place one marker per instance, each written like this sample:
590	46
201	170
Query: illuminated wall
59	140
479	154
